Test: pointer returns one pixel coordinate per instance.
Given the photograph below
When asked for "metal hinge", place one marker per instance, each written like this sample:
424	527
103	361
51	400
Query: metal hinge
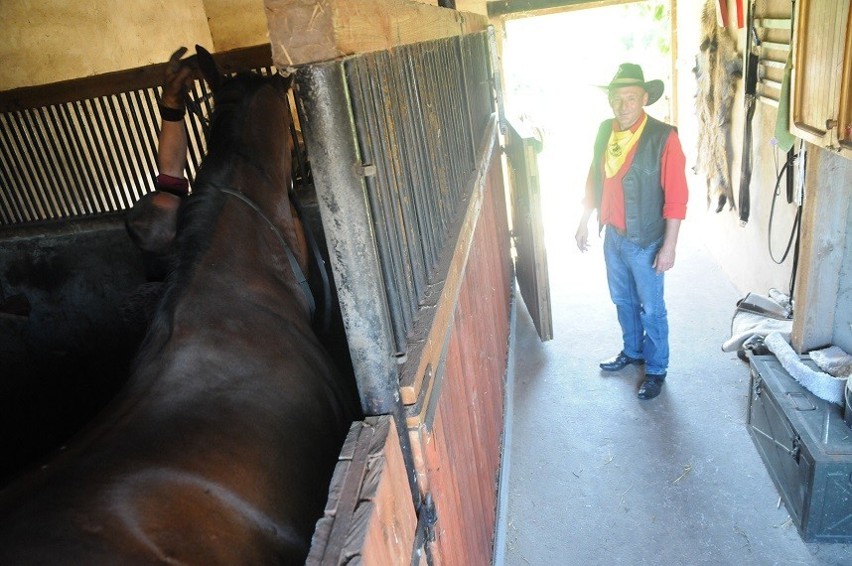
427	518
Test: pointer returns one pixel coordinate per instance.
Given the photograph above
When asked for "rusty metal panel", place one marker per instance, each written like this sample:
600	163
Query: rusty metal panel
419	111
391	137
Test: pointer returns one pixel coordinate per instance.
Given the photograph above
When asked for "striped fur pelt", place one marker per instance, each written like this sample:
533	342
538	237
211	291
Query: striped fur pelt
717	69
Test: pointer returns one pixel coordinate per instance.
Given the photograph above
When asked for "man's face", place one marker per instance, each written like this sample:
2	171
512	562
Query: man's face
626	103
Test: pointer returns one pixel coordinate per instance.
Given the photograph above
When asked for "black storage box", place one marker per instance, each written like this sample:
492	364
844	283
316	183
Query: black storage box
807	449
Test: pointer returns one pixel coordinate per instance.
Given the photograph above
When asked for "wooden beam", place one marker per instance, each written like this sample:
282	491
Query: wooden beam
308	31
107	84
823	242
369	513
542	7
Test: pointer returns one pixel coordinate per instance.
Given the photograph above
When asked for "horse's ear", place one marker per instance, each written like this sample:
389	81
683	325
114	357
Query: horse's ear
209	69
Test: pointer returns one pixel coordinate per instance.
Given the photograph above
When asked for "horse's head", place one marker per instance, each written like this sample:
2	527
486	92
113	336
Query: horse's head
251	118
251	122
247	170
249	148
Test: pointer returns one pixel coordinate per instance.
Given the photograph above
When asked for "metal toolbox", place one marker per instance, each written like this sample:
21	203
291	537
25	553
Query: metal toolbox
807	449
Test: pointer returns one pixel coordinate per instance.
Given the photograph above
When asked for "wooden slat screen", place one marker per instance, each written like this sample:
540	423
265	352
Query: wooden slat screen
94	156
85	157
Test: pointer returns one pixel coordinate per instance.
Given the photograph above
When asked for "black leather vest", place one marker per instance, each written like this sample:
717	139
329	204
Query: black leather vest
643	194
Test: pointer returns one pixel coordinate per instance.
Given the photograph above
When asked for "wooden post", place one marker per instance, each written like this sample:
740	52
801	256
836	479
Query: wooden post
308	31
823	243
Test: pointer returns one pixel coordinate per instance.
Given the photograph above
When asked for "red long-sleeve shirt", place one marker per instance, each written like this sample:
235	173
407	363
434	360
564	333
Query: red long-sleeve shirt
672	180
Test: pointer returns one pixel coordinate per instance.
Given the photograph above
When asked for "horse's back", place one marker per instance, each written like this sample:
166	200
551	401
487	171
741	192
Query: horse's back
205	482
166	518
220	447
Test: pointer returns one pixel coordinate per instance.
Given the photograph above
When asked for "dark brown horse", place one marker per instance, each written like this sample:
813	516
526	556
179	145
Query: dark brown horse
220	448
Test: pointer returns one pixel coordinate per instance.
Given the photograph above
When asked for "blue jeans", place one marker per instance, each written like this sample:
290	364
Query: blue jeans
637	291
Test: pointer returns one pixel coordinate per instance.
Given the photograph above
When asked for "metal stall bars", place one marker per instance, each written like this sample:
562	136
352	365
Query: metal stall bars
391	137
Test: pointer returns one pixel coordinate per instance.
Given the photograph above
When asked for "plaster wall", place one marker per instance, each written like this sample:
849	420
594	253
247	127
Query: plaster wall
54	40
474	6
236	23
742	251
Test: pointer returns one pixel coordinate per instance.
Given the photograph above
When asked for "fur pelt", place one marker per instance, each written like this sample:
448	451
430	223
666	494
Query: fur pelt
717	69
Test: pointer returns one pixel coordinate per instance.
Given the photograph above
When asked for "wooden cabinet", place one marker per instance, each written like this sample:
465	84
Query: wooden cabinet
821	88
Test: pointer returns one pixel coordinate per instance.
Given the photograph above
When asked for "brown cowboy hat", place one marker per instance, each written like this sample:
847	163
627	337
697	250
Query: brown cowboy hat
630	74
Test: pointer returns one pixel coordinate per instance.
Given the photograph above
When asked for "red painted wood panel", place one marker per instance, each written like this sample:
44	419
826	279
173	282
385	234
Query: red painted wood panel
463	454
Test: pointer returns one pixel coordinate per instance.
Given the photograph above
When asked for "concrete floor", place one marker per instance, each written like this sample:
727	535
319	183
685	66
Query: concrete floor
596	476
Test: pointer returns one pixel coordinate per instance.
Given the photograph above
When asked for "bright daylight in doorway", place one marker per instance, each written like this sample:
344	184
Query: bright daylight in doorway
552	65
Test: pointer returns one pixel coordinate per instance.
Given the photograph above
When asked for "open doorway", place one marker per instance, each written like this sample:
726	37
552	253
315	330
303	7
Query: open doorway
558	92
553	65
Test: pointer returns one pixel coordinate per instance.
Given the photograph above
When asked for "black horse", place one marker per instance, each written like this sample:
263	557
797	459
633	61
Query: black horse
221	447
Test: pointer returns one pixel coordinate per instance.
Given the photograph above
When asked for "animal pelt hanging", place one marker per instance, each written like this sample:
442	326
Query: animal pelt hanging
717	69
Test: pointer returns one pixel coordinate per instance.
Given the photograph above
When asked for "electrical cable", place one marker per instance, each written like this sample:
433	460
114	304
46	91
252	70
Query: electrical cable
795	230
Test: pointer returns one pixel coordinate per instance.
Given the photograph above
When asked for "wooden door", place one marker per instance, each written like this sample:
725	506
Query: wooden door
522	149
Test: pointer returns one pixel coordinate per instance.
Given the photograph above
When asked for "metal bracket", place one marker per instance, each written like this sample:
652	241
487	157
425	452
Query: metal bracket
797	449
366	170
758	390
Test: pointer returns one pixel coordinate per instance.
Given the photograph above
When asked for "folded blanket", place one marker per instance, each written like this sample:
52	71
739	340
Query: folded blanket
758	315
821	384
747	325
833	360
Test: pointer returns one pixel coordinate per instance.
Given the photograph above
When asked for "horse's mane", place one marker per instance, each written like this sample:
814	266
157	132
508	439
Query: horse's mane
198	213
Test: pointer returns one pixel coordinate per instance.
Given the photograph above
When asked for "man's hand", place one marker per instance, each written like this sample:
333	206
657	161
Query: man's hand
582	237
665	259
178	79
666	256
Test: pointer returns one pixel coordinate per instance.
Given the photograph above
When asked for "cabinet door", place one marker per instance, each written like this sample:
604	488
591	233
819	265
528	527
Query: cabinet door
845	119
820	71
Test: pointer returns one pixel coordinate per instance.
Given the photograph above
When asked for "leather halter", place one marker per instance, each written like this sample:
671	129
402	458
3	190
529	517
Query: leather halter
294	264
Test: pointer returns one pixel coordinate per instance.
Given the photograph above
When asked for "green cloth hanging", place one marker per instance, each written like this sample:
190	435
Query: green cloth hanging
783	137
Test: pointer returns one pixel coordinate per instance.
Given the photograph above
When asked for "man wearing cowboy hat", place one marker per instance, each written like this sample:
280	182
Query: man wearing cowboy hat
637	184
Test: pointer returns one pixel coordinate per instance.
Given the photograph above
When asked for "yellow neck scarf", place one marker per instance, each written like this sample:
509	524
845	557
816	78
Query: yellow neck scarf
619	145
